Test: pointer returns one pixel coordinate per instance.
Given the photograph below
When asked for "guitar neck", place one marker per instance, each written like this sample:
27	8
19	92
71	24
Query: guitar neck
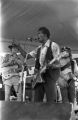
51	62
48	65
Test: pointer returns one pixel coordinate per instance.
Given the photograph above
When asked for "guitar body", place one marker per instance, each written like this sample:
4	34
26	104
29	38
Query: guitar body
37	79
8	72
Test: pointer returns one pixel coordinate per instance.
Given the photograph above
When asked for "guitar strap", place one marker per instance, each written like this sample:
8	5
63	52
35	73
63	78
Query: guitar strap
65	66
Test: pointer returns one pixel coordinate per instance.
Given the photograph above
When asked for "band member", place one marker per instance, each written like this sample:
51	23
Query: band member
11	66
66	80
45	53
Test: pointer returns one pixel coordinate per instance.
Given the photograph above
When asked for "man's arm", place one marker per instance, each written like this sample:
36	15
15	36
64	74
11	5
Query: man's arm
23	53
75	68
56	52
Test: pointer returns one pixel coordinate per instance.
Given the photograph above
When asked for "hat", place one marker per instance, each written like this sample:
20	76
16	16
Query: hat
65	49
12	46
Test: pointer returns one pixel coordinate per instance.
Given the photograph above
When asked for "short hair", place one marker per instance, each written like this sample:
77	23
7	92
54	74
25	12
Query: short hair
45	31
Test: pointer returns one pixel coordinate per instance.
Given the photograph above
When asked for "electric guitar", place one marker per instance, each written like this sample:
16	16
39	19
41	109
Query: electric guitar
37	77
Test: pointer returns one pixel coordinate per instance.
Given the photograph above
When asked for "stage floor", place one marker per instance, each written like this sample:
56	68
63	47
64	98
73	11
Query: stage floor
34	111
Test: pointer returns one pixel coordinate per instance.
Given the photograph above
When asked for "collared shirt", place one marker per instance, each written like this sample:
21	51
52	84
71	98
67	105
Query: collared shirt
11	68
54	47
43	52
9	57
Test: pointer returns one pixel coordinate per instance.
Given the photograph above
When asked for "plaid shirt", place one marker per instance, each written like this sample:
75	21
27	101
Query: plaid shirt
15	62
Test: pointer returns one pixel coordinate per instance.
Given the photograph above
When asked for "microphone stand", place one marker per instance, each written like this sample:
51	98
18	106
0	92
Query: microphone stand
23	77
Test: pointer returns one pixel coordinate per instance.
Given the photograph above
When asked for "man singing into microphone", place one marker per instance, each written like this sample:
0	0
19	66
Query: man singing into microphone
43	55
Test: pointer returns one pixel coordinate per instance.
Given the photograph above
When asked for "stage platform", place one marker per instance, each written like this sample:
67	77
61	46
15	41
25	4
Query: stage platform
34	111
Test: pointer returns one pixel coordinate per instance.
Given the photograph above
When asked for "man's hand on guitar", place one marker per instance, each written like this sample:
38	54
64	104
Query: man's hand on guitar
43	69
35	76
55	65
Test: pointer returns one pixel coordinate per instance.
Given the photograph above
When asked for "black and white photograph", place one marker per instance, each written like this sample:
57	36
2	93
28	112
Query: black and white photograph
38	59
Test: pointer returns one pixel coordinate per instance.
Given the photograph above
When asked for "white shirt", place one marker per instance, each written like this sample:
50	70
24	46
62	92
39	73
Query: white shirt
55	50
54	47
43	52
